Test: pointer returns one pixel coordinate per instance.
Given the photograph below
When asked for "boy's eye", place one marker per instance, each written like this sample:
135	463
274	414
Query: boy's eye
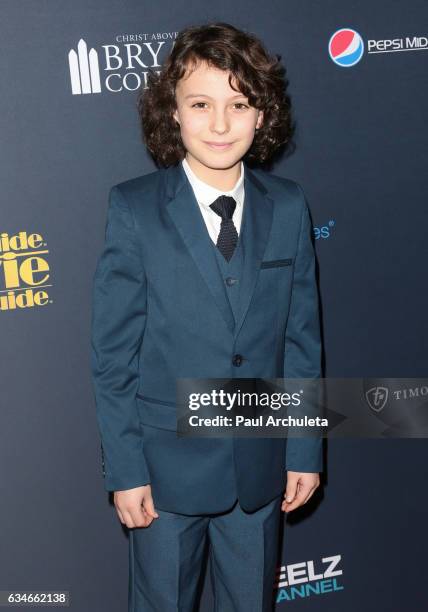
236	104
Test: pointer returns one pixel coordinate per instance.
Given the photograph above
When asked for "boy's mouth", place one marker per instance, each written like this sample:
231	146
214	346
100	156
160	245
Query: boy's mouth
219	145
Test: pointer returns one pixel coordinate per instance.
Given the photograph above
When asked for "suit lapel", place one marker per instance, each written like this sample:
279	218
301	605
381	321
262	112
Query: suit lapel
184	211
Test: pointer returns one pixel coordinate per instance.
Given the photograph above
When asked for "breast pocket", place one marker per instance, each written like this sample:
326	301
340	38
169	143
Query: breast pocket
276	263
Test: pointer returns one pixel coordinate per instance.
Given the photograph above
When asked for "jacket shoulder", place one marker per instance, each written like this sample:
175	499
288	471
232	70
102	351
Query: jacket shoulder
280	188
278	185
141	192
143	183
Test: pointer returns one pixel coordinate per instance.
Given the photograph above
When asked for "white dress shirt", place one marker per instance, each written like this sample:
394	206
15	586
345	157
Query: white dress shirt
206	194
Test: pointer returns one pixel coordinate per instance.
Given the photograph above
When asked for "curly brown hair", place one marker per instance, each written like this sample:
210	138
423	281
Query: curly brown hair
259	76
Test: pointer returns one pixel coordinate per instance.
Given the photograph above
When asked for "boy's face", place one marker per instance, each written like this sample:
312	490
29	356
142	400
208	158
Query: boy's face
210	112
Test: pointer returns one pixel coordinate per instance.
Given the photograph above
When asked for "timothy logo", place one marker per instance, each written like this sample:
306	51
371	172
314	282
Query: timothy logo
377	397
24	271
84	70
346	47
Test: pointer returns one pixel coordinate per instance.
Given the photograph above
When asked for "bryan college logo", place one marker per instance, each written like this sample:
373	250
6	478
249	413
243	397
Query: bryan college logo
84	70
24	271
117	67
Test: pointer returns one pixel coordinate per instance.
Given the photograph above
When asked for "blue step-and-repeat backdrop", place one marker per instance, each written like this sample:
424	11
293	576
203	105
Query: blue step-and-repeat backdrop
359	88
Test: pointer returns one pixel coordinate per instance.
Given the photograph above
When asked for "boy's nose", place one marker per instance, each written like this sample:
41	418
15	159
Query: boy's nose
219	123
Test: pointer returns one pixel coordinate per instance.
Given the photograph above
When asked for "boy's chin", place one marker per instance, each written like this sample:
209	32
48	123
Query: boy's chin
219	161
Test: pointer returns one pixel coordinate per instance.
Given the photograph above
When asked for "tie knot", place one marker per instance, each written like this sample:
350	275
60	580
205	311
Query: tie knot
224	206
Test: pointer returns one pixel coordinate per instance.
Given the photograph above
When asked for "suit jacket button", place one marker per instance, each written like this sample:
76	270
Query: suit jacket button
237	360
231	281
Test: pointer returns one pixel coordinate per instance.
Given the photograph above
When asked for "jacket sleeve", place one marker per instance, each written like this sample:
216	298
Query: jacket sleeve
302	358
118	321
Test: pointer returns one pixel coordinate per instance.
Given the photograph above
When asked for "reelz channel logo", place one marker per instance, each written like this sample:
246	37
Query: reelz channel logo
24	271
305	579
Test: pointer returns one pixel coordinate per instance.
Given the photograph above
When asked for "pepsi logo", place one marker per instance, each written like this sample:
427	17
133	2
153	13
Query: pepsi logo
346	47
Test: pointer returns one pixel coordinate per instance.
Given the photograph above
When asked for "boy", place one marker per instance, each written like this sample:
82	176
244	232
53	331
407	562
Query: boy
208	271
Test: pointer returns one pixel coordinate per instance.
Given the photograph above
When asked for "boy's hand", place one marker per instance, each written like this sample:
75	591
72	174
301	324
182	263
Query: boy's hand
300	487
135	507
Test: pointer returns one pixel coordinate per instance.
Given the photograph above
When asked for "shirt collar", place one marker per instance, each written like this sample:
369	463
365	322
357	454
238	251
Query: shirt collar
206	194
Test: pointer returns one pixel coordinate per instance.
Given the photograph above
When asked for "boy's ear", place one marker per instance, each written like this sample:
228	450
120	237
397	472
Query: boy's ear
259	120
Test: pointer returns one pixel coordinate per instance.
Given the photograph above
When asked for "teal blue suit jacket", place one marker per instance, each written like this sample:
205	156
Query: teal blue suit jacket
161	312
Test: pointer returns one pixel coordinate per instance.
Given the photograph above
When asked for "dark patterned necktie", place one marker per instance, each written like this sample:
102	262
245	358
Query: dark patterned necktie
227	239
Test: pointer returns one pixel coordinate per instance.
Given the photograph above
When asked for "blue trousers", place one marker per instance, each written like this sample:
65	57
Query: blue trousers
165	560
